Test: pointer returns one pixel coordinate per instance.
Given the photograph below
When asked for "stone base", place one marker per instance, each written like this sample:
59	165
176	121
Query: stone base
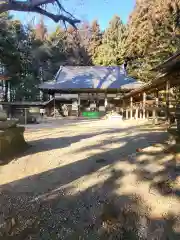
7	124
11	142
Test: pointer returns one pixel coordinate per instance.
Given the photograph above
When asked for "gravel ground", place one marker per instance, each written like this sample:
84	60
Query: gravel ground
90	180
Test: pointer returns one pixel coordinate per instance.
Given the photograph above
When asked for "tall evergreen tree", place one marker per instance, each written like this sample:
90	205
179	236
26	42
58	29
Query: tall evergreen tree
112	49
95	40
152	35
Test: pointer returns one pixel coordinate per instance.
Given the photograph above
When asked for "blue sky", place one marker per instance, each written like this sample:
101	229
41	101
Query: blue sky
102	10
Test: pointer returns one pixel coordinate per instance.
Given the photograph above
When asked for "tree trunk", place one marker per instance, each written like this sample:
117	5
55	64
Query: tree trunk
41	81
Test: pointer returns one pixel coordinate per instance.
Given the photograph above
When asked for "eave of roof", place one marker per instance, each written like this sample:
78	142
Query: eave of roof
84	90
150	85
168	63
23	103
166	68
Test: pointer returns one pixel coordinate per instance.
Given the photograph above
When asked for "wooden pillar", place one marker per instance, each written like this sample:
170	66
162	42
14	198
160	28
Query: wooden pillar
144	105
140	111
155	106
127	113
136	113
54	106
157	102
167	99
105	101
131	107
147	114
123	106
79	105
154	115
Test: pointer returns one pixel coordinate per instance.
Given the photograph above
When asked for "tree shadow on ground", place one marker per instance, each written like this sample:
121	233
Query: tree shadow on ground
57	123
84	199
144	139
95	213
48	143
77	169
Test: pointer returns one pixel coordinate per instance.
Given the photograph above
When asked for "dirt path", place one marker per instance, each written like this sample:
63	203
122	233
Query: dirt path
75	171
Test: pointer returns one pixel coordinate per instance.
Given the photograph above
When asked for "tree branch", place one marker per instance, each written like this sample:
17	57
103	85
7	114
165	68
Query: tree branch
56	18
61	7
34	6
32	3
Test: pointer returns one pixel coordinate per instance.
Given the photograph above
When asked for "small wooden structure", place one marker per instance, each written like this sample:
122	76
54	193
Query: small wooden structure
168	77
12	108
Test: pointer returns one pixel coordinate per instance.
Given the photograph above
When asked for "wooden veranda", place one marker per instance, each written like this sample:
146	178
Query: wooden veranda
135	103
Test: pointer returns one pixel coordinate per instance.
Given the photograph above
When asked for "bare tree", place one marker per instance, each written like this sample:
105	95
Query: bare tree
37	7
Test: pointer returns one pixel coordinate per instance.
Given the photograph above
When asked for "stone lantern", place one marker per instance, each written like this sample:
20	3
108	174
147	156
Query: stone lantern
11	137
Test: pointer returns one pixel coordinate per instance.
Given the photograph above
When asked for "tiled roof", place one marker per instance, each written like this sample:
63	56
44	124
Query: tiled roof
95	77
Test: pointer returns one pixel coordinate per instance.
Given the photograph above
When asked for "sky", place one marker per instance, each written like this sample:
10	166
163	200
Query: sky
87	10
